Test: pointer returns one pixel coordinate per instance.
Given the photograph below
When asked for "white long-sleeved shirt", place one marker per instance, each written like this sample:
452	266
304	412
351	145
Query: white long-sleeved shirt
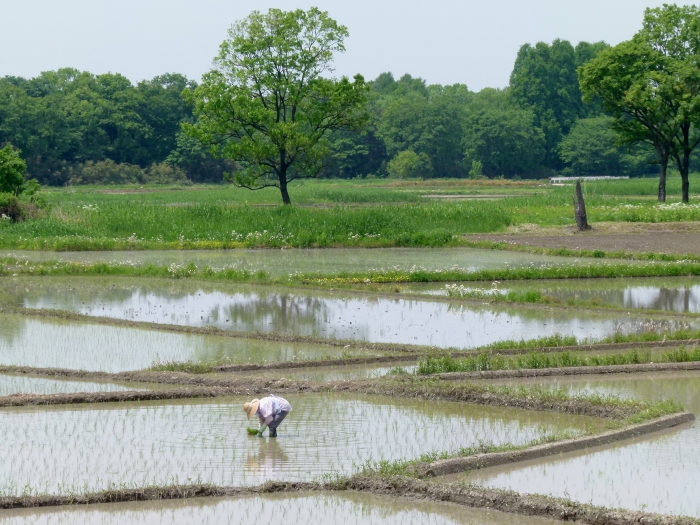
270	406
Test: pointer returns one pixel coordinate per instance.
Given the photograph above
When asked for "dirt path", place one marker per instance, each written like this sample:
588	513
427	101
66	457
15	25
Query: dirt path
672	238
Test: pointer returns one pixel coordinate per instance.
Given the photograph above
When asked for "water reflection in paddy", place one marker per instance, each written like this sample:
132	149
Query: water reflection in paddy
55	343
675	294
351	508
659	473
331	315
60	450
20	384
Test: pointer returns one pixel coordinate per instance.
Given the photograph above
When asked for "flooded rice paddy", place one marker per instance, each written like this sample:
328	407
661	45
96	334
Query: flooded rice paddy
20	384
659	473
55	343
351	508
323	261
672	294
380	319
88	448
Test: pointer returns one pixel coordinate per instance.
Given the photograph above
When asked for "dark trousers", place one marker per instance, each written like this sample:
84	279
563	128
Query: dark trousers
276	421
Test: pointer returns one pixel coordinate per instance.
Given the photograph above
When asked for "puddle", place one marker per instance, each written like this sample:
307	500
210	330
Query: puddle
55	343
21	384
329	315
326	261
322	508
681	294
89	448
659	473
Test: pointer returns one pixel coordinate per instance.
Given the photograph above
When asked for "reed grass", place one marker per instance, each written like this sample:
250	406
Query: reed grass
485	361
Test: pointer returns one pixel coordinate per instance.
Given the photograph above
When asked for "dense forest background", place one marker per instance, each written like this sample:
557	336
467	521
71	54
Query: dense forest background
74	127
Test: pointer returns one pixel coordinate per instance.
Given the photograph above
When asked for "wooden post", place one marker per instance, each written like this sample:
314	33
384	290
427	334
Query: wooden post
580	209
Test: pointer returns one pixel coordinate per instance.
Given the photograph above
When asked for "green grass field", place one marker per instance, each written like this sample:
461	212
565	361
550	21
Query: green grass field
373	213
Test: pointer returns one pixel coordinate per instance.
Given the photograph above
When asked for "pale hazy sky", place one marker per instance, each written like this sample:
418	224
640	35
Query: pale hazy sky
443	41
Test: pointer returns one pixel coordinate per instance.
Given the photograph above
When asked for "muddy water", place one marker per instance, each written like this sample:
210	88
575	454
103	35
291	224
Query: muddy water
660	473
21	384
52	343
337	373
283	262
88	448
351	508
330	315
678	294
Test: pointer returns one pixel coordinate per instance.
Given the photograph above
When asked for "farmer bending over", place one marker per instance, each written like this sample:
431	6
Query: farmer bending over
270	410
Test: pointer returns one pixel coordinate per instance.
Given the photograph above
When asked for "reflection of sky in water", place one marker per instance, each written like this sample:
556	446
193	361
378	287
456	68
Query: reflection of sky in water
660	474
51	343
342	317
669	295
14	384
87	448
351	508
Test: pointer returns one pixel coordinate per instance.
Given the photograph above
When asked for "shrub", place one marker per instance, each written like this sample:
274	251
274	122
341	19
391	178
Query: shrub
12	169
106	172
165	174
409	164
10	208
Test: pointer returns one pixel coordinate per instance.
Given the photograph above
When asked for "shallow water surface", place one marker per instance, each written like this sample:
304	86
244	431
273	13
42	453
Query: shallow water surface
326	261
21	384
660	473
336	315
673	294
55	343
88	448
352	508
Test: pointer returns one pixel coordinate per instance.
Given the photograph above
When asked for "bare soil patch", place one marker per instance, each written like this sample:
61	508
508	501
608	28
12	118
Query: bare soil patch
672	238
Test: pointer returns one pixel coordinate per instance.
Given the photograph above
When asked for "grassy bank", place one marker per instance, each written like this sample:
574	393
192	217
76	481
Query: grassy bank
438	364
219	225
326	214
22	266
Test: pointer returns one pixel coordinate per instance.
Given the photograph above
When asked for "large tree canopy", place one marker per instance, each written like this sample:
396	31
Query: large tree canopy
506	141
651	87
268	105
544	79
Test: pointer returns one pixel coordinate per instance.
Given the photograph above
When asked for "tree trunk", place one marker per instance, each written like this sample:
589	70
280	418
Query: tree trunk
683	160
580	209
684	175
283	187
662	180
285	193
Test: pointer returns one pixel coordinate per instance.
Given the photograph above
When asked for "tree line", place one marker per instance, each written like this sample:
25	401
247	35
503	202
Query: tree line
76	127
268	113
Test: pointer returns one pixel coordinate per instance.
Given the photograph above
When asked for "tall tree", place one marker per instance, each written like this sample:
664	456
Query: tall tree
651	87
268	105
505	140
632	82
545	80
674	32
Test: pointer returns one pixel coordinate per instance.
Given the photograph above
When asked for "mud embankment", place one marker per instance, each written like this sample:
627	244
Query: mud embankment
511	502
467	496
405	387
493	459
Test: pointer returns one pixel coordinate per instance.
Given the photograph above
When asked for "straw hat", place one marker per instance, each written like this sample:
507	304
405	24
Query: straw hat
251	408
